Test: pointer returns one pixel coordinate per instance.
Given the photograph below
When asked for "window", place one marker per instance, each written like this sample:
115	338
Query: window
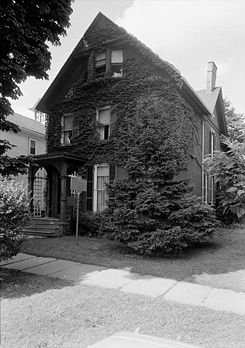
100	63
103	122
32	147
109	61
212	142
67	129
208	180
116	62
101	178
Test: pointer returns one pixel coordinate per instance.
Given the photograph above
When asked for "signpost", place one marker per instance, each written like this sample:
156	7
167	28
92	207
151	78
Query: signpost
78	185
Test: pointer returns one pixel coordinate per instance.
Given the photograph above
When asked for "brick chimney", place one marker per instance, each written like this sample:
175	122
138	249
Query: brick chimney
211	77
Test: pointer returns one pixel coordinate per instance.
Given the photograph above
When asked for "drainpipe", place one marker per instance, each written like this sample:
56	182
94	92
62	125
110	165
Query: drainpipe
202	159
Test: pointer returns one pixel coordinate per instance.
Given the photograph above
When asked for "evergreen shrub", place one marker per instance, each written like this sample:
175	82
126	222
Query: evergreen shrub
14	216
151	211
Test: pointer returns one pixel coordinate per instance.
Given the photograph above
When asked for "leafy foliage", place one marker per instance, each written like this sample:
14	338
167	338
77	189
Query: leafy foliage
228	169
235	123
151	212
13	216
25	28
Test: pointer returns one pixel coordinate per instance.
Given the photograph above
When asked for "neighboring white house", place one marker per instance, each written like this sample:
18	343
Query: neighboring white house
30	140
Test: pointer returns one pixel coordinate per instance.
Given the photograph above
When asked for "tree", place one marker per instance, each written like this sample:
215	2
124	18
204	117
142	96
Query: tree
14	203
235	123
25	28
228	168
152	211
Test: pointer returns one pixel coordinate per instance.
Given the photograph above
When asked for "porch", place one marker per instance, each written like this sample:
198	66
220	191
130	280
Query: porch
52	205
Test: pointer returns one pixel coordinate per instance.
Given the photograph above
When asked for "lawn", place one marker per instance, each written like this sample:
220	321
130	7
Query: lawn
42	312
221	264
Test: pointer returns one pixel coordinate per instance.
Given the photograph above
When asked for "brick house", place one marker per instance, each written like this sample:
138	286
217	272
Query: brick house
99	83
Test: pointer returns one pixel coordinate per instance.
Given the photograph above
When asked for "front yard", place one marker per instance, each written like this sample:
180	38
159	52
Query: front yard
42	312
221	264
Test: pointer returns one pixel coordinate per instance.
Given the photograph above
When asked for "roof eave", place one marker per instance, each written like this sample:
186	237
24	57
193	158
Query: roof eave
195	97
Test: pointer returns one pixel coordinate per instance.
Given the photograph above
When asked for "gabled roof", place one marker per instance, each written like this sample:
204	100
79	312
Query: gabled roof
209	98
116	35
26	123
214	101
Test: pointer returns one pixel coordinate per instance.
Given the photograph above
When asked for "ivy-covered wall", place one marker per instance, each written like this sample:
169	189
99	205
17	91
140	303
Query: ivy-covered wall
141	77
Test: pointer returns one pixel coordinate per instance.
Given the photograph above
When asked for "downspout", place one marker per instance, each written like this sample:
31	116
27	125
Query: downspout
202	160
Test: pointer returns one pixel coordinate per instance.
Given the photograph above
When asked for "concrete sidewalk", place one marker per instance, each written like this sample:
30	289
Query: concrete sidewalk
124	280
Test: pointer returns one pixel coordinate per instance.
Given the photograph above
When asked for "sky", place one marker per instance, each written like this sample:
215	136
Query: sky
186	33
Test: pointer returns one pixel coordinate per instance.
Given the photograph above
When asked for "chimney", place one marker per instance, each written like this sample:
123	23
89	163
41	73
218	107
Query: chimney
211	77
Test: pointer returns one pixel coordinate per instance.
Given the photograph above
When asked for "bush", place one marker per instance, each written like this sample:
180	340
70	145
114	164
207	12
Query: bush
13	216
92	224
228	169
189	223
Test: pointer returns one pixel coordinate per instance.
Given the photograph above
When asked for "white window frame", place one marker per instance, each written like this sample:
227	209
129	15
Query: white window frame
116	63
30	140
212	142
64	131
208	183
108	107
95	189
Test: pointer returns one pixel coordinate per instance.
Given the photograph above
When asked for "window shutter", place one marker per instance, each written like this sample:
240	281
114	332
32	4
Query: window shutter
90	188
112	173
215	142
76	125
61	131
113	118
210	142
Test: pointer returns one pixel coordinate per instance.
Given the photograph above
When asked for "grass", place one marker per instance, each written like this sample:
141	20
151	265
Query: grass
38	312
221	264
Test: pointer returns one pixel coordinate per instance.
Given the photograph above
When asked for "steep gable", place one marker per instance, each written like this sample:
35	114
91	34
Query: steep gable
214	102
101	33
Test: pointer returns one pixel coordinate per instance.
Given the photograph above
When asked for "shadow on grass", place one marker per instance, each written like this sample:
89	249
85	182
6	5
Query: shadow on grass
225	254
17	284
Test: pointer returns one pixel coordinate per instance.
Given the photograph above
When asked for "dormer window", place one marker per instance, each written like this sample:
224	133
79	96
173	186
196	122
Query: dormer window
116	62
100	63
103	118
66	129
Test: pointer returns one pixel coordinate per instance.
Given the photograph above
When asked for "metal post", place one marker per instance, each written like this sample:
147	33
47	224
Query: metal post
77	222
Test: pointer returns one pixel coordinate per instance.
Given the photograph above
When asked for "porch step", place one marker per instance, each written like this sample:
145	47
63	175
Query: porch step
43	227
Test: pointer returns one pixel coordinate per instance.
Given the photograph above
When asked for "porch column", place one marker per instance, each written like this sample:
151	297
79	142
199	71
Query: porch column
31	177
63	198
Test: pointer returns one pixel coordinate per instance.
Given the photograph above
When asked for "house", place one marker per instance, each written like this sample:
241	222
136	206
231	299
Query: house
38	115
30	140
85	107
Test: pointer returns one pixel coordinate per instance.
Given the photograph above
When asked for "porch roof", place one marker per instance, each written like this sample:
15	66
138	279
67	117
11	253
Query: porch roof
49	157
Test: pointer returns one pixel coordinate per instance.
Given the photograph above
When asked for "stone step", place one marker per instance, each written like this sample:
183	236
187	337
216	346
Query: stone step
41	221
41	233
43	226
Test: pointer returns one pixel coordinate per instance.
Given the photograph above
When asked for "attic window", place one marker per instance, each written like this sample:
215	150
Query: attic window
116	62
100	63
